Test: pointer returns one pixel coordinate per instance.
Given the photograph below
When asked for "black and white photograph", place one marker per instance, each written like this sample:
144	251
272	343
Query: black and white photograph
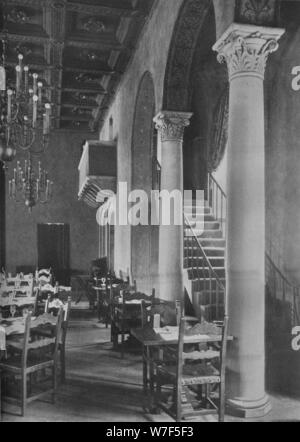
149	213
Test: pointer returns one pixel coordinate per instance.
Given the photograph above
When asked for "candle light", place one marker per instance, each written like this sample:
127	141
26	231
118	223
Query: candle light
48	115
37	188
9	102
2	79
35	77
51	189
25	126
18	78
26	71
44	124
20	57
47	189
40	89
10	188
34	115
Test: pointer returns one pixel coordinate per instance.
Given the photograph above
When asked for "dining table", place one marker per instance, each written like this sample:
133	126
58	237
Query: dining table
153	342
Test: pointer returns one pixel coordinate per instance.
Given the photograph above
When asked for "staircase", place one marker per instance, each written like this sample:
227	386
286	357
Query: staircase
204	253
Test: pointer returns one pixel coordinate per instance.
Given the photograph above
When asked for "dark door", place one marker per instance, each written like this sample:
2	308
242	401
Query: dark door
54	250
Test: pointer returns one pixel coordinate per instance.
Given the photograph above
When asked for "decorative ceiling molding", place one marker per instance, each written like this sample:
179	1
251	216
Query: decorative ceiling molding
93	24
79	48
18	16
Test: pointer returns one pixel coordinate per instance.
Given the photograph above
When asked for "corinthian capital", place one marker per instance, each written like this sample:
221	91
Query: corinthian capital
172	124
245	49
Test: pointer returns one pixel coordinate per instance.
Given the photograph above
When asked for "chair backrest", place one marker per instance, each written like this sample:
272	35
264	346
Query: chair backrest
220	329
55	322
148	310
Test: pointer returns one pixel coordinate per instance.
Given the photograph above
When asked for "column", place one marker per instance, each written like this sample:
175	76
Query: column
245	49
171	127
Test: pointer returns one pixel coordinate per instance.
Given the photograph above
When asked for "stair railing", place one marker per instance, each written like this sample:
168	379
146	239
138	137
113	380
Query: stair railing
217	201
212	287
156	174
282	289
280	286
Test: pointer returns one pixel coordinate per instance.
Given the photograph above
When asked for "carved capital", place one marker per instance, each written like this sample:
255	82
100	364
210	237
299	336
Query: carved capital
245	49
172	124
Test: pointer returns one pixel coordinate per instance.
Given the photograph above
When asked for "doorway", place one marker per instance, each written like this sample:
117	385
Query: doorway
54	250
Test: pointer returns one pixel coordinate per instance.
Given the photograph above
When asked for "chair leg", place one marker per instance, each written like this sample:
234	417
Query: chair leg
63	364
54	382
222	402
30	384
178	396
122	345
23	394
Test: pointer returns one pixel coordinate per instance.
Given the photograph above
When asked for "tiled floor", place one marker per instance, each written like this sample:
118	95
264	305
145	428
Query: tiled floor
103	388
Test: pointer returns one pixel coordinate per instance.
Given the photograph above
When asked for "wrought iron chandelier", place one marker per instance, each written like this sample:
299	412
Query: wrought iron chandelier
25	119
29	187
25	112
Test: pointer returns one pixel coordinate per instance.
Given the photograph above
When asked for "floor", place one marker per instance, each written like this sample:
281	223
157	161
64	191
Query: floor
103	388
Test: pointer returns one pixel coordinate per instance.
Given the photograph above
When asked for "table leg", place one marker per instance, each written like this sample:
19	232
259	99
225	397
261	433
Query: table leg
98	305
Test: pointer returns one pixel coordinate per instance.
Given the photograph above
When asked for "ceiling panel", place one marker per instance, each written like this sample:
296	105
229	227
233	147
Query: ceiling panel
80	49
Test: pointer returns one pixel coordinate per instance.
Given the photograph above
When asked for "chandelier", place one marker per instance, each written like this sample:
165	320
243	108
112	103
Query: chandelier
25	119
29	187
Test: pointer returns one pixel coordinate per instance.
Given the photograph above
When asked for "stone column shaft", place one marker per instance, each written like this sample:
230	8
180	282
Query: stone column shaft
171	127
245	49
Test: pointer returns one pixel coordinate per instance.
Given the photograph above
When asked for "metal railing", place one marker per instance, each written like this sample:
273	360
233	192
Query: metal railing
211	288
280	288
156	174
217	201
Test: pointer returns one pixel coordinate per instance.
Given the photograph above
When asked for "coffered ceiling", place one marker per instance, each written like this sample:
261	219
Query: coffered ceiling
79	48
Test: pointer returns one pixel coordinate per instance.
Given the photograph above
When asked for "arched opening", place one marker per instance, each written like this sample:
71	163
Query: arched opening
196	82
144	239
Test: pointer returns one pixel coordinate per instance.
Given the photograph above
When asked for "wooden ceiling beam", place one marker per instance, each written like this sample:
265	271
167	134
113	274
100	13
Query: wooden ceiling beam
104	11
102	45
83	8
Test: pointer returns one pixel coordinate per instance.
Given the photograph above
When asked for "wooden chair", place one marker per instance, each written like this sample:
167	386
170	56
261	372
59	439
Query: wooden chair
30	355
195	378
66	310
127	314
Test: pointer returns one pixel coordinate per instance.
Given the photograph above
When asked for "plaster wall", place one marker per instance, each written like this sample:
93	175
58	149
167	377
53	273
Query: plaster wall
61	160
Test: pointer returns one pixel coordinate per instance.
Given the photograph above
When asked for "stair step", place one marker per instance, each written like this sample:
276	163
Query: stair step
208	298
218	242
201	284
200	233
209	251
197	261
197	224
214	251
207	242
205	273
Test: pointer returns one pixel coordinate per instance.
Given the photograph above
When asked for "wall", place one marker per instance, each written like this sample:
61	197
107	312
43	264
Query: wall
151	56
282	150
61	160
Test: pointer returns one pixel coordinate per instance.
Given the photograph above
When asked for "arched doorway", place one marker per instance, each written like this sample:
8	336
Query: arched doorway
144	239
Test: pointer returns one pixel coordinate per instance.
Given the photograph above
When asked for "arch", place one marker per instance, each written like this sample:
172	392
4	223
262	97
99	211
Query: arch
195	82
185	37
144	239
